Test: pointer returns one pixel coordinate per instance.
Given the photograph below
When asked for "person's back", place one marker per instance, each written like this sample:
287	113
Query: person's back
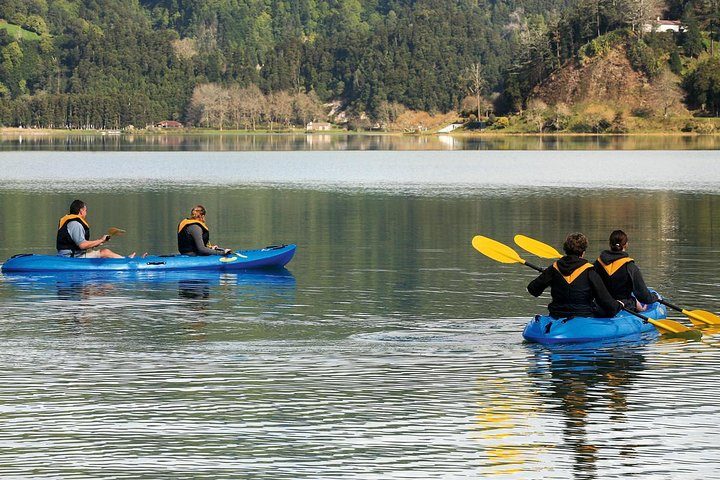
194	235
621	275
575	287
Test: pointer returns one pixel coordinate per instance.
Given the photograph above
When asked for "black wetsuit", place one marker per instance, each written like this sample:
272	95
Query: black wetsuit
626	283
576	289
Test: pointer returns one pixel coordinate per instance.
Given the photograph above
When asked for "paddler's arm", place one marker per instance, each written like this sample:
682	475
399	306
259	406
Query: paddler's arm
196	233
538	286
602	297
640	290
77	233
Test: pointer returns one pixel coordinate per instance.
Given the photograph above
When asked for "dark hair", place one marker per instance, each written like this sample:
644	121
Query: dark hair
197	208
618	239
76	206
575	244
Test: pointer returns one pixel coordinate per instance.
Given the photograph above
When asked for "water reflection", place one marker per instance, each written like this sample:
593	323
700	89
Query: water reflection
578	382
344	141
191	285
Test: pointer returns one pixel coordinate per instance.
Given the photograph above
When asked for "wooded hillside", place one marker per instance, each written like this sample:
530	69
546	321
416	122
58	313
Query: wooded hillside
238	63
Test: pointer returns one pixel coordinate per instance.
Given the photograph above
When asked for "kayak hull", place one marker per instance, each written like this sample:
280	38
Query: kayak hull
268	257
547	330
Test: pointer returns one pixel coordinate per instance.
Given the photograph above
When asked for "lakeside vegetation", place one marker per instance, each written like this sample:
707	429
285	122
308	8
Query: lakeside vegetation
526	66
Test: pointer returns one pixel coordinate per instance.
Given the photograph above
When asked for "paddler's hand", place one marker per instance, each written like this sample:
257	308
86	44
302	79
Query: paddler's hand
104	238
227	251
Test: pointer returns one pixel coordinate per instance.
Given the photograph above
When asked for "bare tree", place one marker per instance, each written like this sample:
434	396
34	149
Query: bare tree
641	12
307	106
279	108
476	84
209	105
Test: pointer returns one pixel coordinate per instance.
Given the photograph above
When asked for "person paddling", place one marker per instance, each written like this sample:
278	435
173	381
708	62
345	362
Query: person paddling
73	236
622	276
194	235
576	288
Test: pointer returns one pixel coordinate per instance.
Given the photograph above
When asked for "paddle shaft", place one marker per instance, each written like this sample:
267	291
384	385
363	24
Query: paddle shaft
668	304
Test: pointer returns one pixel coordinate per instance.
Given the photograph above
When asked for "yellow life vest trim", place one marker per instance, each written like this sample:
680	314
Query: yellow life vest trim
191	221
67	218
613	267
575	274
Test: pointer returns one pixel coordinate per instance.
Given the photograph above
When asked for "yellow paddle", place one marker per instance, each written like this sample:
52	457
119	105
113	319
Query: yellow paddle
112	231
504	254
543	250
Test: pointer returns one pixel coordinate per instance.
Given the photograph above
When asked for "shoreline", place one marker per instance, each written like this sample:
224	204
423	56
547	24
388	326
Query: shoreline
45	132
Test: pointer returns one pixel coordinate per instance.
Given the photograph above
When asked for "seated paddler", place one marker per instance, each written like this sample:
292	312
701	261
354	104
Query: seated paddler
73	236
194	235
622	276
575	287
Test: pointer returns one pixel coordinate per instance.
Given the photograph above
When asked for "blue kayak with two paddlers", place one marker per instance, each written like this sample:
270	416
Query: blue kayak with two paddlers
548	330
268	257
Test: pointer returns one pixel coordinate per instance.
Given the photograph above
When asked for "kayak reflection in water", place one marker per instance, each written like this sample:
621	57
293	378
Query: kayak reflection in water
576	288
622	277
73	236
194	235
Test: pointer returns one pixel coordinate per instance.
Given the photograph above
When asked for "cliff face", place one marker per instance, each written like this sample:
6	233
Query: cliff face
610	79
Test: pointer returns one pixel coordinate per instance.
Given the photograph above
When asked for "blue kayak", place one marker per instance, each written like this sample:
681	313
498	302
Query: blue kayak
268	257
547	330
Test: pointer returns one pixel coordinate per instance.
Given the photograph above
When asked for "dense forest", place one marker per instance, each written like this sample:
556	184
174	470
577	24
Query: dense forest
242	63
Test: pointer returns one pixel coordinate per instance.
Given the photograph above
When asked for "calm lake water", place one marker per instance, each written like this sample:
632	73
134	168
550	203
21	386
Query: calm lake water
388	348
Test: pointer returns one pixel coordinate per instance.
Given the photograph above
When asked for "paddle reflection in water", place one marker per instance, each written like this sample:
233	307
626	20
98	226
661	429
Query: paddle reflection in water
580	381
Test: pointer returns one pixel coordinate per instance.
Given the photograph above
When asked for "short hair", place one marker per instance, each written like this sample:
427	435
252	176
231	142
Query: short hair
618	239
199	209
76	206
575	244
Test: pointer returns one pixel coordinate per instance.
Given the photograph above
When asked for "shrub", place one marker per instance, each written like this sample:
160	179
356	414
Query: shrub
702	128
502	122
643	59
642	112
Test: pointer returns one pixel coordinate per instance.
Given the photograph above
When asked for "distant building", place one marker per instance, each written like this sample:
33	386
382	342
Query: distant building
317	126
663	26
170	124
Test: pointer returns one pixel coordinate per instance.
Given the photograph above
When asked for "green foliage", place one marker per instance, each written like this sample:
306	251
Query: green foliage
675	63
691	39
703	85
644	59
602	45
149	55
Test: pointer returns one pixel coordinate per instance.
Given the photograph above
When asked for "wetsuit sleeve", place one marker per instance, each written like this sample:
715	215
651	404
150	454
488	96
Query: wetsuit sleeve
196	233
640	290
538	286
602	297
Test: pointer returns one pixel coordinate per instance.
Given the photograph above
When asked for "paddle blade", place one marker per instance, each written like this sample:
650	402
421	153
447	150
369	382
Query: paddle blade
112	231
496	250
536	247
671	326
702	317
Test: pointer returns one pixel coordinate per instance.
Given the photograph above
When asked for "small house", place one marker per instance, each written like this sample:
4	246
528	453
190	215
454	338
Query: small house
317	126
169	124
664	26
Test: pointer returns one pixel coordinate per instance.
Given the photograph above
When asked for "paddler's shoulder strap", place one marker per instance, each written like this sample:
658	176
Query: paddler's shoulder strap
70	217
613	267
575	274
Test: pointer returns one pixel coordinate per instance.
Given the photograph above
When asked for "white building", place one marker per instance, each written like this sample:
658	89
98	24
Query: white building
663	26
